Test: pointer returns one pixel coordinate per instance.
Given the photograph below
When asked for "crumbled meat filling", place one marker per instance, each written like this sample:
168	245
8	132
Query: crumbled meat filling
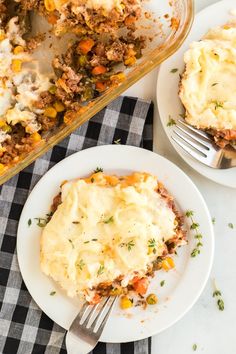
89	67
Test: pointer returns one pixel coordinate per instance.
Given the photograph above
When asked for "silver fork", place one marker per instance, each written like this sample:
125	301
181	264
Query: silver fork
201	146
87	327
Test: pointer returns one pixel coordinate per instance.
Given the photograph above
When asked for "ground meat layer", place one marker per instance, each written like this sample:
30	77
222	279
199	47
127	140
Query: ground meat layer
224	138
90	66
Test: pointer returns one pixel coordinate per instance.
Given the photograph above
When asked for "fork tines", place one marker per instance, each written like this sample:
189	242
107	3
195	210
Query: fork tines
195	142
93	318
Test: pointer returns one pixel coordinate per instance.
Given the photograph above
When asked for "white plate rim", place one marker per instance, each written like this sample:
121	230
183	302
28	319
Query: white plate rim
223	177
122	149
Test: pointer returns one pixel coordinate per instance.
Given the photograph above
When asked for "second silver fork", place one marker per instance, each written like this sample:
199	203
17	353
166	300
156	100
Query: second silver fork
201	147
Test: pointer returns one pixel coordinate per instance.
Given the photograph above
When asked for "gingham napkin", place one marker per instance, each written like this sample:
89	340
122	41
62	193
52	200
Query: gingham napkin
24	328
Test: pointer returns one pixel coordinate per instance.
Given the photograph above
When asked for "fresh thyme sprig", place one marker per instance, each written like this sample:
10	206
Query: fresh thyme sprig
129	245
117	141
198	235
42	222
218	104
217	294
171	122
152	243
81	264
98	169
71	242
109	220
100	270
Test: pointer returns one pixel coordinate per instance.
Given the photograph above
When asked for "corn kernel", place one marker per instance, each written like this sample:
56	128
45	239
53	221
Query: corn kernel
125	303
118	77
50	112
1	167
130	61
2	123
18	49
36	137
53	89
6	128
2	35
59	106
167	264
16	65
49	5
116	292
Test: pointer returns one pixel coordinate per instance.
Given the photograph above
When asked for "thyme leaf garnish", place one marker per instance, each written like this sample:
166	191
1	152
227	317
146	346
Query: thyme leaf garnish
109	220
198	236
98	169
162	283
81	264
100	270
152	243
118	141
171	122
218	295
129	245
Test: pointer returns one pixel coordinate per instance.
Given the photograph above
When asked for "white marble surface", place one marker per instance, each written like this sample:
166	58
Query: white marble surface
212	330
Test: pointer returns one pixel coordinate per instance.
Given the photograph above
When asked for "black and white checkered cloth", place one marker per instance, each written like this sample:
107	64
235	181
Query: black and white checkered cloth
24	328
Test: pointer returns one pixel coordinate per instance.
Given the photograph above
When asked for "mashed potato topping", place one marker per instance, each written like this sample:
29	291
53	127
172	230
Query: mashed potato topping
208	86
20	82
91	4
104	228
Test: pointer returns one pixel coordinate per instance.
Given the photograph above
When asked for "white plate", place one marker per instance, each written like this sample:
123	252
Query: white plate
167	85
182	286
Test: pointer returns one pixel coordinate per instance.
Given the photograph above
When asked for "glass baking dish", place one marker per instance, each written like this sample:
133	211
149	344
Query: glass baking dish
168	26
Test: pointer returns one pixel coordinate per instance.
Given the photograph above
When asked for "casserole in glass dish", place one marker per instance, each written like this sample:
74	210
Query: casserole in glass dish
27	131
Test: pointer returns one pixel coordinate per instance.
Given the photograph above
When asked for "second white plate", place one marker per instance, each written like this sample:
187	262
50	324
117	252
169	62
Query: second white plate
169	104
180	291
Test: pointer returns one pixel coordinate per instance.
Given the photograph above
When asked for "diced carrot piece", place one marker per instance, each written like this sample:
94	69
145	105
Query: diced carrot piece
140	285
86	45
49	5
130	20
52	18
95	300
98	70
100	86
